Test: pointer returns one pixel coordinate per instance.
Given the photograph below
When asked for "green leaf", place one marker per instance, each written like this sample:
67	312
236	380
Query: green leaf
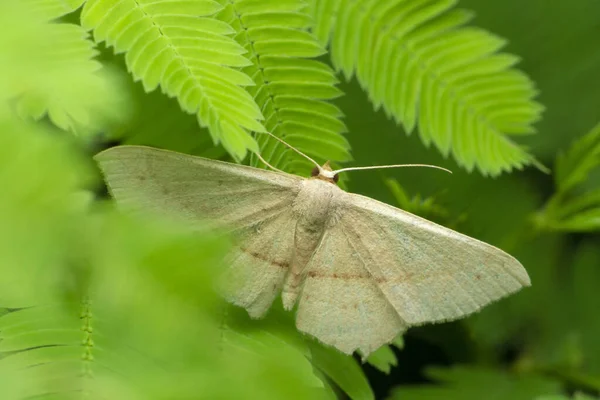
419	61
157	121
290	87
575	207
343	370
583	221
574	166
426	208
399	342
275	335
477	383
52	73
383	359
40	176
175	44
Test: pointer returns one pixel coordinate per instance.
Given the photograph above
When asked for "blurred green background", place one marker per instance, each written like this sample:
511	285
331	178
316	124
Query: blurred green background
104	305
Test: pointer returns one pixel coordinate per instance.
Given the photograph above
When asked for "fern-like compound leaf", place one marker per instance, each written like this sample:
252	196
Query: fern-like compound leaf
177	45
418	60
52	70
291	88
573	167
575	207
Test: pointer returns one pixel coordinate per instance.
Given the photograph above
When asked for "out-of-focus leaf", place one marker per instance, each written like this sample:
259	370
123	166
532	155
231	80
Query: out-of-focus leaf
343	370
51	9
48	69
575	207
399	342
573	167
276	333
563	328
472	383
423	207
383	359
583	221
586	303
39	176
577	396
530	319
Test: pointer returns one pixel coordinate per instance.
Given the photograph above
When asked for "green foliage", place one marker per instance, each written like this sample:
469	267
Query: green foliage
577	396
474	384
419	61
575	207
290	87
67	86
97	304
157	121
35	204
177	46
384	358
342	370
573	167
584	306
424	207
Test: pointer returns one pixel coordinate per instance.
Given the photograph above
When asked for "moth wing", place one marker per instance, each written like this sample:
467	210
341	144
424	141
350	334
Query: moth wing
256	268
254	204
340	304
428	273
379	270
193	188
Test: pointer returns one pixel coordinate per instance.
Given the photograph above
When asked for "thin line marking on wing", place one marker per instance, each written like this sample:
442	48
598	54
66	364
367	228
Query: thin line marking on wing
445	275
383	235
258	256
377	280
257	265
340	304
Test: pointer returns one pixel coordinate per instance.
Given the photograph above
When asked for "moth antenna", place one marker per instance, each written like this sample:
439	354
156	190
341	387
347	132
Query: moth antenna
391	166
295	149
266	163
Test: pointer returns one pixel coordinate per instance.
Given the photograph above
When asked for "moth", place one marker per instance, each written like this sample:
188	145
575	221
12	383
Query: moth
360	271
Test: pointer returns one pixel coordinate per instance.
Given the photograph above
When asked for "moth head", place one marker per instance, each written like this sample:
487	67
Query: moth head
325	173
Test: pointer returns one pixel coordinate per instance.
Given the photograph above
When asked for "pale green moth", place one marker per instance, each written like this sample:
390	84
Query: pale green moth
360	271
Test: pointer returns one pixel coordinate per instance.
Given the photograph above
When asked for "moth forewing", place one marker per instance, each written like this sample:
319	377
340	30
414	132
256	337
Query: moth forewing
194	188
428	272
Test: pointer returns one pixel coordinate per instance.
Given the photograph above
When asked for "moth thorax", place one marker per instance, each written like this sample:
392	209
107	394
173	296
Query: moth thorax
313	202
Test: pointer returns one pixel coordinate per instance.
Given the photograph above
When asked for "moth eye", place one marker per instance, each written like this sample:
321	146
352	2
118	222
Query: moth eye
314	172
336	178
